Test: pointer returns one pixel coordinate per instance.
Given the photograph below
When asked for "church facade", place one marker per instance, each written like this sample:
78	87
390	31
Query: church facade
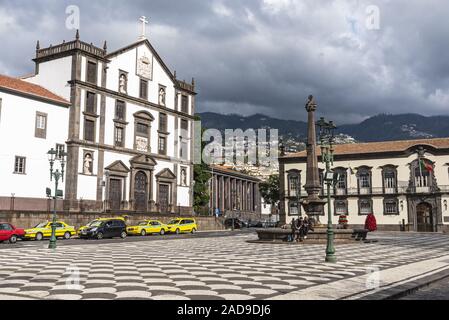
405	184
128	128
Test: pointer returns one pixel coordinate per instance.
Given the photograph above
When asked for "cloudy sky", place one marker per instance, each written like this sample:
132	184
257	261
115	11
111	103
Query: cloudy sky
359	58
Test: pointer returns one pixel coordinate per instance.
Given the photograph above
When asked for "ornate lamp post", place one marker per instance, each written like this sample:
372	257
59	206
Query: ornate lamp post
327	155
53	155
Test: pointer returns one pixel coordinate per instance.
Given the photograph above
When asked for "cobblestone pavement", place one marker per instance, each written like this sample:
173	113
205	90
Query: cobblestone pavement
436	291
200	268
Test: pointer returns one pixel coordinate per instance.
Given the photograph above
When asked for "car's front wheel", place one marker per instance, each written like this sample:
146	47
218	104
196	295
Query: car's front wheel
39	236
177	231
123	235
143	233
13	239
67	235
162	232
100	235
193	231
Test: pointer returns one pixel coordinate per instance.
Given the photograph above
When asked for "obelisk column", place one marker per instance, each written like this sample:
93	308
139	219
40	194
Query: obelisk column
312	185
313	204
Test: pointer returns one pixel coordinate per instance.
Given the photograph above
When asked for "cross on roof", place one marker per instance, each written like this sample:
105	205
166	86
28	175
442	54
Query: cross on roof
144	21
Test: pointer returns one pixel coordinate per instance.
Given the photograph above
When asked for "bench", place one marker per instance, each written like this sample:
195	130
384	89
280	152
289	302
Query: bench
359	234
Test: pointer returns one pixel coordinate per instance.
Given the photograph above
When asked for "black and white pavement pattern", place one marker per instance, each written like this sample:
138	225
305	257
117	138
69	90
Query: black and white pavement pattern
199	268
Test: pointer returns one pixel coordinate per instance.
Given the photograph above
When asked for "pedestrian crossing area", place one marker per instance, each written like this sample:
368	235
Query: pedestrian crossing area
200	268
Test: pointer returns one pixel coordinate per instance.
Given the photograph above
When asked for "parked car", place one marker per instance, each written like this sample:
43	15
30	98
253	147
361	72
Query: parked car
182	225
43	230
105	228
147	227
10	233
98	219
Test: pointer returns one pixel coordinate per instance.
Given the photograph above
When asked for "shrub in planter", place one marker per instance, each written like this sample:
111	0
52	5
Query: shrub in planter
343	221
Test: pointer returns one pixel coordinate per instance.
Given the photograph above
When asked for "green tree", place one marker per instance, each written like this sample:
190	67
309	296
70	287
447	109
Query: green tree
270	190
201	175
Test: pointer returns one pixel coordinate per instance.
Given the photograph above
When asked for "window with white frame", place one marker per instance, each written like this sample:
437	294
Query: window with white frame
294	185
19	165
341	207
391	206
294	208
41	125
365	206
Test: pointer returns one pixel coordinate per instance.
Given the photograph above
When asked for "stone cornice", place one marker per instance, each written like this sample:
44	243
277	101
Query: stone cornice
127	151
131	99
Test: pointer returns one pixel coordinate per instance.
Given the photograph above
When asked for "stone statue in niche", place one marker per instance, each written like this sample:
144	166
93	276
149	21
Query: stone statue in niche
122	83
162	96
87	168
183	177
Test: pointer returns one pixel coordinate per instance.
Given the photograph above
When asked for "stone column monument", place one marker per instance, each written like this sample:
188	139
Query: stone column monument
313	205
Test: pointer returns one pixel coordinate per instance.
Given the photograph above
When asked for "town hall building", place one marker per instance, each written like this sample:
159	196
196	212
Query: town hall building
405	184
124	119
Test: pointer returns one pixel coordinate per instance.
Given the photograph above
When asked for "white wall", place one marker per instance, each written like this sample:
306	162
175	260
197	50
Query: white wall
54	76
17	138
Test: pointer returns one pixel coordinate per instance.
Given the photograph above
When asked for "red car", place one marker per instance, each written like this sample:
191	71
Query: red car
9	233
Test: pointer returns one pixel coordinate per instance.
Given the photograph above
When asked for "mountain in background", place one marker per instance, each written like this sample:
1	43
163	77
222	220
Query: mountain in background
383	127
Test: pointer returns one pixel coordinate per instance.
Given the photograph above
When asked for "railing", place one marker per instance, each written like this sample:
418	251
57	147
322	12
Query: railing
377	191
70	46
186	86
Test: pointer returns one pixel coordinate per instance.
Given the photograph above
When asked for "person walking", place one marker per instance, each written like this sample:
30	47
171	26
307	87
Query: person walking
293	231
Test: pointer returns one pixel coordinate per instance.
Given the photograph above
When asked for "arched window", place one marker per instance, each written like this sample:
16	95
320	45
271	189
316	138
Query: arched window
389	179
341	187
294	183
364	180
422	175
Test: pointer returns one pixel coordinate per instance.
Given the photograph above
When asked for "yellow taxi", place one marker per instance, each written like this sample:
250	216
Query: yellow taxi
99	219
182	225
147	227
43	230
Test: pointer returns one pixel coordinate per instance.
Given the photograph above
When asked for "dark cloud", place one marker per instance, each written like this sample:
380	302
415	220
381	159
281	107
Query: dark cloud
265	56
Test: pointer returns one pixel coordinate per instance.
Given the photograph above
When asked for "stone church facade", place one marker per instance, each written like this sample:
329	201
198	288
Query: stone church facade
129	127
404	183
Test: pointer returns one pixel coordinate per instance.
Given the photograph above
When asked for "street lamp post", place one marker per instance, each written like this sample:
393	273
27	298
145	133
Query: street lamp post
327	155
53	155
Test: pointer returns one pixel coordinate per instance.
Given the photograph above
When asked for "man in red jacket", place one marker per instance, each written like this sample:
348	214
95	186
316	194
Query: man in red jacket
370	222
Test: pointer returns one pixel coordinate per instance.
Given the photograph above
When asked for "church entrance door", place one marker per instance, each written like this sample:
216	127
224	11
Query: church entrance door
140	191
164	197
424	217
115	194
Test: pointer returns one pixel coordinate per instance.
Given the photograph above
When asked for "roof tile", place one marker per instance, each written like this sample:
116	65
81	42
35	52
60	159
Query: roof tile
378	147
29	88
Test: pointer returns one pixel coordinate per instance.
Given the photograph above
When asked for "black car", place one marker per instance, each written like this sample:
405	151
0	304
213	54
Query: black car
101	229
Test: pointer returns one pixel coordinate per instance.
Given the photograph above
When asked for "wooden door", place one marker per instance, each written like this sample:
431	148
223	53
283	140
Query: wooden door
424	218
164	198
115	194
140	191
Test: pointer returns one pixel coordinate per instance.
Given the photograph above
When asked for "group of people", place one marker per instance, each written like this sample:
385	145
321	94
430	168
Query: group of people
300	229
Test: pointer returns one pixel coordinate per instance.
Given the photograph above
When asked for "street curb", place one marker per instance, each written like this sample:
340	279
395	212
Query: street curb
407	288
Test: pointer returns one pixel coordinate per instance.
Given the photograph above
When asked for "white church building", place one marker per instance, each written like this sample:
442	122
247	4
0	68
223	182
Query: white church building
123	118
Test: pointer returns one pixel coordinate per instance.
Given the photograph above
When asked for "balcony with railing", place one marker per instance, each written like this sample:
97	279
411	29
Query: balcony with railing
69	46
384	191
